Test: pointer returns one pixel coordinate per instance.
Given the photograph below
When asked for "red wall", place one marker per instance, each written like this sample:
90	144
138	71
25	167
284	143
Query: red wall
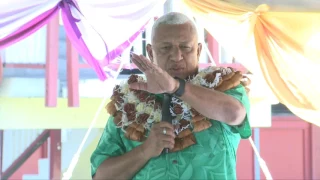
31	165
286	147
245	161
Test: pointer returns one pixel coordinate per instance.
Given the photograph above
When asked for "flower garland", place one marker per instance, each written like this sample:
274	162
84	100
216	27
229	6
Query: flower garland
135	111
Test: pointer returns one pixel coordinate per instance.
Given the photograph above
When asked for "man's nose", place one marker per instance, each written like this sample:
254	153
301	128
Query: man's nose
176	54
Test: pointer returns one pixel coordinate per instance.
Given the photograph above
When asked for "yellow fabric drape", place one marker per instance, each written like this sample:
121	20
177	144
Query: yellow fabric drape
284	47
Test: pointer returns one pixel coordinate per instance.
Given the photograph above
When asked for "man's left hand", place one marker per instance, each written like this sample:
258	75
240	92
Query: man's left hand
158	80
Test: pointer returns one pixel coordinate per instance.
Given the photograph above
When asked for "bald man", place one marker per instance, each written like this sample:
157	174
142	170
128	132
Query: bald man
174	54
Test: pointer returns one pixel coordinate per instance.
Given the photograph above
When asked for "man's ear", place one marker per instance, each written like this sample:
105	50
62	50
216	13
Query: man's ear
149	51
199	50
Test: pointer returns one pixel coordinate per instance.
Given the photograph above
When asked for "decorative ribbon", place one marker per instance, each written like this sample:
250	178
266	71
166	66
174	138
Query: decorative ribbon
65	5
253	18
76	37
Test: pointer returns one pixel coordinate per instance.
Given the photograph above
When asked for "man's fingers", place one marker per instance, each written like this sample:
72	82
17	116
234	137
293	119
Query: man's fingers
136	61
159	128
169	133
141	60
143	63
166	125
151	65
168	138
167	144
146	62
139	86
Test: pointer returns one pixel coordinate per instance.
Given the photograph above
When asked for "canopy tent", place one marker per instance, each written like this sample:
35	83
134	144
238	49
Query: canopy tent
270	44
275	45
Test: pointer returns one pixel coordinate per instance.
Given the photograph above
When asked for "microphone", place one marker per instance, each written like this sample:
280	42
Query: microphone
166	115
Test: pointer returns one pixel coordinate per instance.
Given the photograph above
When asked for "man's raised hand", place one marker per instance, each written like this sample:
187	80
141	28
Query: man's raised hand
158	80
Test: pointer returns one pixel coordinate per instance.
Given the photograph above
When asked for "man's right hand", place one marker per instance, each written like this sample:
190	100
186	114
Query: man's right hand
157	140
134	160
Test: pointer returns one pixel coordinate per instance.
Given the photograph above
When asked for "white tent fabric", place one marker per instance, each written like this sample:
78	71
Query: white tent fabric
15	13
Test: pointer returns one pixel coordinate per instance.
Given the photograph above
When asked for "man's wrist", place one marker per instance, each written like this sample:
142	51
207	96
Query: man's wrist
176	86
143	153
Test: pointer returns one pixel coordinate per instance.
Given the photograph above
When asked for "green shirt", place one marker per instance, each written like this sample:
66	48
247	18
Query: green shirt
212	157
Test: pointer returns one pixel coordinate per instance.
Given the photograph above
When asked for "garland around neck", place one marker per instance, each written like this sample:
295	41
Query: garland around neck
135	111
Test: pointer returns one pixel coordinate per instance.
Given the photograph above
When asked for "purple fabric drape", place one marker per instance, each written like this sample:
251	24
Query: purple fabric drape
74	35
119	50
29	28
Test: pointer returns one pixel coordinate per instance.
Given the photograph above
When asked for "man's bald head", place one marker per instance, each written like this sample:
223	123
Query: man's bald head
173	18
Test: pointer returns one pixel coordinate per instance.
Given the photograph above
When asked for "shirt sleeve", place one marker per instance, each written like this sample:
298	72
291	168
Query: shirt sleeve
110	145
240	94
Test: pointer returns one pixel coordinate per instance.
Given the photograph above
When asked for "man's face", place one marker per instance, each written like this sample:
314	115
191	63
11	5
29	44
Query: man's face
175	49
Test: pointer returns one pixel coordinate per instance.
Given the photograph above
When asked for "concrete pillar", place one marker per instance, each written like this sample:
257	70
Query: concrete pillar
168	6
172	6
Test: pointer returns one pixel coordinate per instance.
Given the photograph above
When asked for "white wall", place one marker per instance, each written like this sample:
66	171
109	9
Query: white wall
71	140
35	87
